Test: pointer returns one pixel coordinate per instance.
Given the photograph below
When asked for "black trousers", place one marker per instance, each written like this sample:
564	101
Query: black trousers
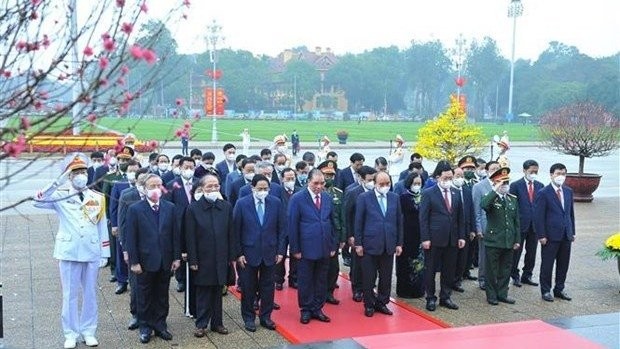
558	253
357	284
332	273
133	294
433	257
461	262
112	258
530	241
152	296
280	271
209	306
179	274
312	284
373	265
257	279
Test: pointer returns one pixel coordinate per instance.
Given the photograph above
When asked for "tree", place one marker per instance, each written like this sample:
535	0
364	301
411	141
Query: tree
449	136
582	129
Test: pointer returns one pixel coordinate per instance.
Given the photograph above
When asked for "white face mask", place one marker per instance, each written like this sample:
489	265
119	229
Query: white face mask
163	166
187	174
445	184
79	181
231	157
458	182
212	196
481	173
415	188
504	189
383	190
154	194
369	185
96	165
112	162
310	168
131	177
531	176
261	195
207	166
154	168
289	185
559	180
279	168
249	176
140	189
198	196
176	171
281	149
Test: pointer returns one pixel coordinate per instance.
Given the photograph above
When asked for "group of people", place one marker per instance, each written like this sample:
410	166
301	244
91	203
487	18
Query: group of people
238	221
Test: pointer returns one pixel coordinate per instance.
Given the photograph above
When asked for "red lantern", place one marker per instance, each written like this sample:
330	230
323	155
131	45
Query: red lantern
214	75
460	81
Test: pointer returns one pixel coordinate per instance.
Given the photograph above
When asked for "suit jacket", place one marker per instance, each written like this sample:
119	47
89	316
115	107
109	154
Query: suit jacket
442	227
115	197
345	178
551	221
526	208
350	200
210	240
128	197
222	170
168	177
311	230
90	173
479	190
274	189
150	243
376	233
469	216
235	188
285	197
98	175
230	178
259	243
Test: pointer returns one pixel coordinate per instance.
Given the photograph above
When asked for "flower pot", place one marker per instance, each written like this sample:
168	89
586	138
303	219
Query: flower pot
342	139
583	185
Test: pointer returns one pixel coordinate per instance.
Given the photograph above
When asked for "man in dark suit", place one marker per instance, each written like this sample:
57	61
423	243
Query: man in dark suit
108	166
96	161
469	222
554	224
366	183
174	170
301	169
266	169
259	222
417	159
378	237
348	174
153	245
313	242
207	163
441	231
227	165
247	173
525	190
288	189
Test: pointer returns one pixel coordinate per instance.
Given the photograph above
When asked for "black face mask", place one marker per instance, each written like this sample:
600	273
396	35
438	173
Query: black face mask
123	167
469	175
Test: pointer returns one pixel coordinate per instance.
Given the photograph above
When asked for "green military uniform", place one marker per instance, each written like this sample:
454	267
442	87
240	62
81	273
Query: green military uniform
329	170
468	164
501	235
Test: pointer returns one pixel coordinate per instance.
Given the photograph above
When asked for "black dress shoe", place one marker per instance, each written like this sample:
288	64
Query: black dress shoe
482	286
507	300
492	301
181	287
268	324
562	295
471	277
145	337
321	317
516	282
431	305
220	329
112	278
133	323
250	327
120	289
358	297
383	309
458	288
276	306
547	297
369	312
448	303
331	300
304	319
528	281
165	335
279	286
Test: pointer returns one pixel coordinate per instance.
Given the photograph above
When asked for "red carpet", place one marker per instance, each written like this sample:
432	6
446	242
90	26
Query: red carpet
348	318
515	335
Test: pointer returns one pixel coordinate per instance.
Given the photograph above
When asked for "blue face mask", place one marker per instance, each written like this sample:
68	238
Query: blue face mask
302	177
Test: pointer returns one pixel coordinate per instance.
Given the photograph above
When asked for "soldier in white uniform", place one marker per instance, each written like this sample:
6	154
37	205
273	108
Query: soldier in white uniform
82	247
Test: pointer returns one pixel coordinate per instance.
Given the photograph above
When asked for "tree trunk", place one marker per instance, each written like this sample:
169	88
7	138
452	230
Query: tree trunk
582	160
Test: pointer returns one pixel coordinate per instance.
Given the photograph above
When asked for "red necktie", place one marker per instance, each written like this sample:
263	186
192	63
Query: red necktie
530	190
559	193
447	200
317	202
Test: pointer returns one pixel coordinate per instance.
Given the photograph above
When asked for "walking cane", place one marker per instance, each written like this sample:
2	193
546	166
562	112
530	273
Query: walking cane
187	313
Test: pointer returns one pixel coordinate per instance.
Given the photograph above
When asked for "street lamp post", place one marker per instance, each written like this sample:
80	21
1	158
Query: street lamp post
213	36
515	9
460	52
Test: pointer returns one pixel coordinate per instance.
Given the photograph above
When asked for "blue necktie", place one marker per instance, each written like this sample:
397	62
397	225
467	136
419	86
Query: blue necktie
260	210
382	203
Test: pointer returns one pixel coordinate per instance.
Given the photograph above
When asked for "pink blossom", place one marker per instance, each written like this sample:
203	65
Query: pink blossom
153	144
120	3
197	115
88	51
14	149
120	81
44	94
105	36
186	3
109	44
178	133
6	73
21	44
91	117
34	15
136	52
35	2
24	123
59	107
124	70
149	56
46	41
127	28
144	8
179	102
103	62
103	82
37	105
174	114
86	99
187	126
128	96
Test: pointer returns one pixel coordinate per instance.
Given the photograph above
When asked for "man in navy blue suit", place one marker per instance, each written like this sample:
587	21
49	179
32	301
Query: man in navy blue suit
153	245
313	242
348	175
289	188
247	173
96	161
378	237
266	169
469	222
227	165
259	222
526	189
441	231
554	224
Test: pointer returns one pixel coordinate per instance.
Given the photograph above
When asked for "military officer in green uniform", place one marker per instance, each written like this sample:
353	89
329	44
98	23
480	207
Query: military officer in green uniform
109	180
501	238
329	168
468	164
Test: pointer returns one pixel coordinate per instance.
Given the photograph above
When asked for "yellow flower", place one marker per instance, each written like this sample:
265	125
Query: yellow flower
613	242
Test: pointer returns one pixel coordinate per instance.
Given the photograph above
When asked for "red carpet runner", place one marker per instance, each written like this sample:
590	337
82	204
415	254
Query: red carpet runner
348	318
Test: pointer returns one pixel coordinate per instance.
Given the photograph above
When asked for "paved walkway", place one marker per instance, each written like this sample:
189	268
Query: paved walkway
32	296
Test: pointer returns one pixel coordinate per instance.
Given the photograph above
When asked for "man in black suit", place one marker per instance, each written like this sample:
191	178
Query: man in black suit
469	222
301	169
227	165
525	190
153	246
96	161
289	188
414	158
366	183
247	173
347	175
554	224
207	163
441	232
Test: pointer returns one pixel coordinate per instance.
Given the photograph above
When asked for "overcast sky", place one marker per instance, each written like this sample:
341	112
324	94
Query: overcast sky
270	26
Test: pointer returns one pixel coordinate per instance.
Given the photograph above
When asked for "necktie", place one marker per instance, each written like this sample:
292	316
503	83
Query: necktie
260	210
382	202
446	198
559	194
317	202
530	190
81	195
156	208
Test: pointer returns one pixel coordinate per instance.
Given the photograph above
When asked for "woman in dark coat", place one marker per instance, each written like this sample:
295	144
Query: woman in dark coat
210	249
406	287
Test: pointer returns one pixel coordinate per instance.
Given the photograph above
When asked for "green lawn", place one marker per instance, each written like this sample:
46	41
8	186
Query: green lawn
229	130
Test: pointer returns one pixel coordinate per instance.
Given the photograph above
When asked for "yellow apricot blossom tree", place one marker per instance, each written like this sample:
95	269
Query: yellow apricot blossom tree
449	136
